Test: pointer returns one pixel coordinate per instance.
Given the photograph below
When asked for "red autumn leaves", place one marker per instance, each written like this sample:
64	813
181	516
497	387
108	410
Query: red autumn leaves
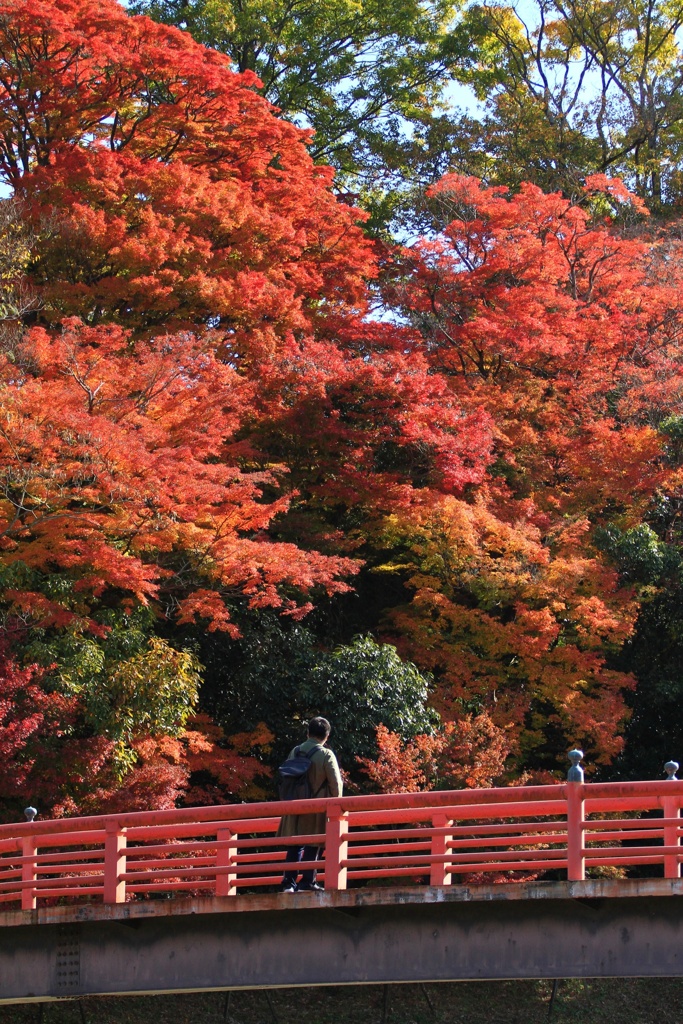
202	410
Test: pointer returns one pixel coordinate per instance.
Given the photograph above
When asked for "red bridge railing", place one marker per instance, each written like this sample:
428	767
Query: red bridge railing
436	838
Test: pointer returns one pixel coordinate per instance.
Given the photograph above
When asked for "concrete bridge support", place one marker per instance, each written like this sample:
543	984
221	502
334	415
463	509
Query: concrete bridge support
539	930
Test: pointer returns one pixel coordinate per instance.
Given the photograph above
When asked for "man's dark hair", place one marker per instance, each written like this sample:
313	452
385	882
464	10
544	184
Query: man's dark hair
319	728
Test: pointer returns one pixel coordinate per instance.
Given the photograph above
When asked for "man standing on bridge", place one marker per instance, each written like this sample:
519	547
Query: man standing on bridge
325	780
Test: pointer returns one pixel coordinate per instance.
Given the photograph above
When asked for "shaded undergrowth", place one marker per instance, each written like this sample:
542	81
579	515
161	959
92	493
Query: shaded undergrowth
612	1001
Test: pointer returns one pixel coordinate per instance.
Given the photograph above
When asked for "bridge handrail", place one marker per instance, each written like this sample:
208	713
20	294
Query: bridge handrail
437	835
599	791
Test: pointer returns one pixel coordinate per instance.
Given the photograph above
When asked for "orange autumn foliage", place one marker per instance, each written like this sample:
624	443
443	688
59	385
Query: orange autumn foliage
113	470
173	195
468	753
402	767
197	395
516	622
200	414
553	324
199	363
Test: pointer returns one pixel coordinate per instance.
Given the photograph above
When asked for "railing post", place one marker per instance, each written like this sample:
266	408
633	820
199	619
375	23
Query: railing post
336	847
226	857
114	863
671	809
29	849
438	873
576	865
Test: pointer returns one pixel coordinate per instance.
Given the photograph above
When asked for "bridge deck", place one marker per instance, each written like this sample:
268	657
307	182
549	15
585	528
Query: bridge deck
346	901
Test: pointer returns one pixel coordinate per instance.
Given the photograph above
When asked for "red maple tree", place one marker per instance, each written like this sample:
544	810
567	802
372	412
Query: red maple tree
546	317
197	396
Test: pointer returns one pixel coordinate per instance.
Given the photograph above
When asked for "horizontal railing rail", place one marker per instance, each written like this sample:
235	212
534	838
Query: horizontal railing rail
437	838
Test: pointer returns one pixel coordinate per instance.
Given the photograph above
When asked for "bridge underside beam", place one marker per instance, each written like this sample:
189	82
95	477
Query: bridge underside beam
433	940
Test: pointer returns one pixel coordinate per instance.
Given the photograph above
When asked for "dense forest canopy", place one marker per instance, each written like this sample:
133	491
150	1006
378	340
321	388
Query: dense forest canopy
260	460
567	87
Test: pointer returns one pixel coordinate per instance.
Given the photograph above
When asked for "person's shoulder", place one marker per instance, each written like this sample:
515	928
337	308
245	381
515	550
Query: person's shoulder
321	753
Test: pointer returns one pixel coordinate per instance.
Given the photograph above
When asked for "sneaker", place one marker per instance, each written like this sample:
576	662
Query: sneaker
287	888
310	887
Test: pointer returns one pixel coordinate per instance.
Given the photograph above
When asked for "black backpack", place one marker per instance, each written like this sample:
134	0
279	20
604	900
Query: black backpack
294	776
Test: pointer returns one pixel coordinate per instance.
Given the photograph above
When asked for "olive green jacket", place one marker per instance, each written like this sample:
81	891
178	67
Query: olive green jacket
325	779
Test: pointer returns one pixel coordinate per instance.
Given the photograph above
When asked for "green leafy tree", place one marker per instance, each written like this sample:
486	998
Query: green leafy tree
126	681
278	675
366	75
581	86
654	654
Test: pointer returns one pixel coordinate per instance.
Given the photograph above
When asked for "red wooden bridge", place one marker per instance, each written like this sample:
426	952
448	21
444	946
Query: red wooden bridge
412	892
437	837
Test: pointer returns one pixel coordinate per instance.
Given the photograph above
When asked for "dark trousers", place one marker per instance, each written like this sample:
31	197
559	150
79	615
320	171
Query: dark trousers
296	854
